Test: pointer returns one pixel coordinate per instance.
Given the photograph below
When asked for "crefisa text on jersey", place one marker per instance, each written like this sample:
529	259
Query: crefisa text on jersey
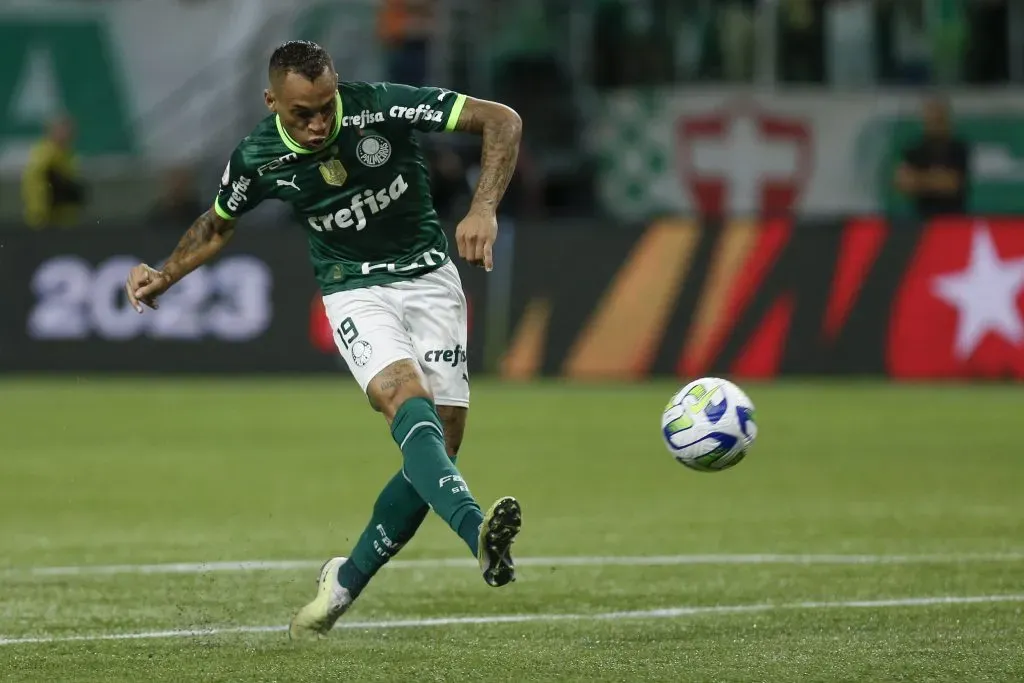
238	190
367	201
362	119
422	112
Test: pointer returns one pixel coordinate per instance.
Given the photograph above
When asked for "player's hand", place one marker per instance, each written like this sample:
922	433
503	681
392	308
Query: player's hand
144	285
475	237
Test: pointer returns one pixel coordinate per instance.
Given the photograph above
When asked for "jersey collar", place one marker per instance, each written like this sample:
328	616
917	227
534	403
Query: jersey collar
299	149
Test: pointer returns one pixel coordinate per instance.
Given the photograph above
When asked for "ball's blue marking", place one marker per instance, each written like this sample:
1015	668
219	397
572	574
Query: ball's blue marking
746	417
715	411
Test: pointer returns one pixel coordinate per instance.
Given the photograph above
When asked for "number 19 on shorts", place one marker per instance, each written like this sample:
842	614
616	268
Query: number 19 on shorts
359	349
347	333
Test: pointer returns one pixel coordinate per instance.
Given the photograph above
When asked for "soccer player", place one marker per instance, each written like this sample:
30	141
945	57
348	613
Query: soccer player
345	156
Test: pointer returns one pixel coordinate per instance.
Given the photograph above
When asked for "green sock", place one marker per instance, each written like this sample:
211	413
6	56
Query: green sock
397	515
417	431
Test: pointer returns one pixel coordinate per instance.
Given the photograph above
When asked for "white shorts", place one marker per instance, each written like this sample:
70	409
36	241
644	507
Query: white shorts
423	319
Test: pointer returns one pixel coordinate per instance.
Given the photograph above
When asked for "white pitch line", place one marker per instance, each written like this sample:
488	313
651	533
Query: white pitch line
662	613
570	561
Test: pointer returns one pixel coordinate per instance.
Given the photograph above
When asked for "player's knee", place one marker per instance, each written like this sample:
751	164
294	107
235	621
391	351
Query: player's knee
453	419
394	385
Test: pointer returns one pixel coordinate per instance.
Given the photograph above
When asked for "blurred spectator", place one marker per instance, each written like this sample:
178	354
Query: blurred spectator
52	192
911	47
987	43
405	29
934	172
455	170
736	37
801	41
637	29
947	32
178	204
449	185
944	41
851	43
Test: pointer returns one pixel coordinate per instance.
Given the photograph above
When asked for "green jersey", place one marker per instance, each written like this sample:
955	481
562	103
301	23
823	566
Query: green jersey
364	196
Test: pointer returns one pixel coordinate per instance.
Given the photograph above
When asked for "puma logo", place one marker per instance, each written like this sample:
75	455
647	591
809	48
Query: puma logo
289	183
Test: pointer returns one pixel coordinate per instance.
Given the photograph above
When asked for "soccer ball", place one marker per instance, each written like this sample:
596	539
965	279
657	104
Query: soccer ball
708	425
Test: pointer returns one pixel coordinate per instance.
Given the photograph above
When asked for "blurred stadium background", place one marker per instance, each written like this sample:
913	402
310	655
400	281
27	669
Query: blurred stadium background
706	187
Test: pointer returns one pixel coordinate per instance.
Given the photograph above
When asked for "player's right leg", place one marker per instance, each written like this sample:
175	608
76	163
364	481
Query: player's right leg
369	337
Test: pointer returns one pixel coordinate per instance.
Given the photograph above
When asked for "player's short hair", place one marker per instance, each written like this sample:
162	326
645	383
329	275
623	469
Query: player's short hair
302	57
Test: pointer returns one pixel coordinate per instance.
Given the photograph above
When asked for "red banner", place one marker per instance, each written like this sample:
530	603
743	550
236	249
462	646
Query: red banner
959	311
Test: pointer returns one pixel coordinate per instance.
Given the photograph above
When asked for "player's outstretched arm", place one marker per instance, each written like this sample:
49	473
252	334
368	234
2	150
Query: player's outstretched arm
200	243
501	130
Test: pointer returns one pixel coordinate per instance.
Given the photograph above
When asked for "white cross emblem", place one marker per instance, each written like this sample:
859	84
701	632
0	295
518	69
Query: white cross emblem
746	159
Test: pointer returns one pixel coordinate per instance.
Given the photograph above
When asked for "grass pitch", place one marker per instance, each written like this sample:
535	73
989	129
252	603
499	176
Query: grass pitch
875	532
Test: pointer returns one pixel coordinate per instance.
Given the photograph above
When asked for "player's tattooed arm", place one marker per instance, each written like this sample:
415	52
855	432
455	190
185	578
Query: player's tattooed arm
200	243
501	130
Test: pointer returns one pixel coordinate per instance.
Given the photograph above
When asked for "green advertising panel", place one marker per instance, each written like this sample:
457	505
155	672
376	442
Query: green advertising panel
66	64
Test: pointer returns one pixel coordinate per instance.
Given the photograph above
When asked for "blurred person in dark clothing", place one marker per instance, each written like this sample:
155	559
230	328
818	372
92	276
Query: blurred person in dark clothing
449	184
801	33
630	27
178	201
934	171
455	170
405	29
51	189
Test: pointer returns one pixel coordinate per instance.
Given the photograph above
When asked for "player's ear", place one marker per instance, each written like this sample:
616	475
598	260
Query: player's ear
268	97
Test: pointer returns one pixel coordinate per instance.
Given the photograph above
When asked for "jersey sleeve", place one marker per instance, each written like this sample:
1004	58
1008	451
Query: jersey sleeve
239	190
427	109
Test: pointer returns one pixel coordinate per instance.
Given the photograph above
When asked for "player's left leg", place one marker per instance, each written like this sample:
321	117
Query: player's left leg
436	314
397	514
